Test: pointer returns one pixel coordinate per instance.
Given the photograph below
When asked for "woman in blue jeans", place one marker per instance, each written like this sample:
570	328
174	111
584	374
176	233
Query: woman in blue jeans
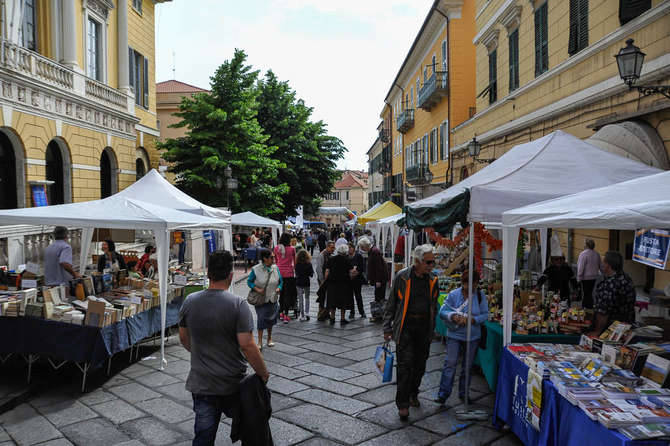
454	312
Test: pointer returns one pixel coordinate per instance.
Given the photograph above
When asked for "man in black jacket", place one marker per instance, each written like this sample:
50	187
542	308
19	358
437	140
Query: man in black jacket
216	327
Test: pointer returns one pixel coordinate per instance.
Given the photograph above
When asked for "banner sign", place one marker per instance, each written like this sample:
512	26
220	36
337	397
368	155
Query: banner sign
39	195
211	240
651	247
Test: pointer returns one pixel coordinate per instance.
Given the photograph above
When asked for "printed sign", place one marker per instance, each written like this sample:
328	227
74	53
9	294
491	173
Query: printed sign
651	247
211	241
39	195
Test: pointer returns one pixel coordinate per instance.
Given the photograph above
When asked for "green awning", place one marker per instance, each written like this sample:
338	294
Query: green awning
440	217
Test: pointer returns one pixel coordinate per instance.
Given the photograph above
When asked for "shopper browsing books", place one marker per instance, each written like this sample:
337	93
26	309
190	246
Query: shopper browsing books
614	296
58	259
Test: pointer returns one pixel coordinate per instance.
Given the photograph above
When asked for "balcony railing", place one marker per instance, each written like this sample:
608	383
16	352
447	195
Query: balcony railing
433	90
384	135
416	174
37	67
405	120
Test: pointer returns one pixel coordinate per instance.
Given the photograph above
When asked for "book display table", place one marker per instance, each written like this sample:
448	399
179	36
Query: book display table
489	355
561	423
87	347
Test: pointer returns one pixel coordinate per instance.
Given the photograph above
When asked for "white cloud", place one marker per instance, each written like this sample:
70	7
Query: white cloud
340	56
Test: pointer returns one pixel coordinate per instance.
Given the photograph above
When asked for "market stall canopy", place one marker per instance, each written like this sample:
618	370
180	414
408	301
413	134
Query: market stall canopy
387	209
115	212
336	211
552	166
153	188
635	204
253	221
641	203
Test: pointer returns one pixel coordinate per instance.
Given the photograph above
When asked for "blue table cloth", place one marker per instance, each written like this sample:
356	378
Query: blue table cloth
77	343
561	424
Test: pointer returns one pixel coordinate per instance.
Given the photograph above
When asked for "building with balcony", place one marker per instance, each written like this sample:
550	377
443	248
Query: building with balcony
433	90
375	177
351	191
77	91
547	65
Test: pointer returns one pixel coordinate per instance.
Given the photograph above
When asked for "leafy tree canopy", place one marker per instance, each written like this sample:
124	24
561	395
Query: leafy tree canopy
280	158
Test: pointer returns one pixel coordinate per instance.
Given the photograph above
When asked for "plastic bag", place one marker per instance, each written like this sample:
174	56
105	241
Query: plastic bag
384	362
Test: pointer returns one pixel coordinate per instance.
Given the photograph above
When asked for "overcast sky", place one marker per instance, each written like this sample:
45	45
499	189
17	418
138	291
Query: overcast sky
340	56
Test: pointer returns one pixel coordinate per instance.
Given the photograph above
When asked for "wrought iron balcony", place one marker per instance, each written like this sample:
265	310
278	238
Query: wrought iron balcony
418	174
433	90
384	135
405	120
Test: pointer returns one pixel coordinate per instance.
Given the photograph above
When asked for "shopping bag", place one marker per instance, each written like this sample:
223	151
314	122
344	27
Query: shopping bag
384	362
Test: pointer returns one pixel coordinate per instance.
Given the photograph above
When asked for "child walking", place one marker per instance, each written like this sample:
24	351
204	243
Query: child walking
303	273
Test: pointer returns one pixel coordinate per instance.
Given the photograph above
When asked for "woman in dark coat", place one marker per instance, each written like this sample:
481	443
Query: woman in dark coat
339	292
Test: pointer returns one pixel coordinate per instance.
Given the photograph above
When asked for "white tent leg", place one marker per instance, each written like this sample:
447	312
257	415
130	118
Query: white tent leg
86	237
510	240
275	236
162	250
468	336
543	245
408	245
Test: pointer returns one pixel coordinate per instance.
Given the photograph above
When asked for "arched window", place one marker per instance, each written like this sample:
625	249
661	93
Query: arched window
140	170
54	170
142	164
108	170
8	183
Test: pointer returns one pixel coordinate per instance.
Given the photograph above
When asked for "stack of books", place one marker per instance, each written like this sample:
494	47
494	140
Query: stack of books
616	420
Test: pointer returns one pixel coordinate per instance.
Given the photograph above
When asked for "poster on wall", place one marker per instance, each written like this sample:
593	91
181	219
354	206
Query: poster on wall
651	247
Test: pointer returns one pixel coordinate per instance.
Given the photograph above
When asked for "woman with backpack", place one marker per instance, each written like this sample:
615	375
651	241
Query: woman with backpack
454	313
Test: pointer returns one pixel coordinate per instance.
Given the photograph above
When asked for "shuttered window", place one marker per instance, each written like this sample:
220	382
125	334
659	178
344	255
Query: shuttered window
629	9
28	30
444	142
541	40
493	76
138	75
514	60
579	26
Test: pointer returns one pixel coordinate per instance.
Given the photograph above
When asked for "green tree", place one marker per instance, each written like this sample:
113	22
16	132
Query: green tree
222	130
304	147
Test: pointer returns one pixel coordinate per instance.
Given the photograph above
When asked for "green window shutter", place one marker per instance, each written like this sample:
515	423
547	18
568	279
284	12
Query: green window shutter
514	60
493	75
629	9
146	83
574	27
541	40
583	38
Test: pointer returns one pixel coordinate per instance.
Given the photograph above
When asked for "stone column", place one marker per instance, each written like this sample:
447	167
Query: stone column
70	35
56	25
122	44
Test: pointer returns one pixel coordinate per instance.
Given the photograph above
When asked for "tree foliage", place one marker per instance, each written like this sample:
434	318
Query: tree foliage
304	147
280	158
222	130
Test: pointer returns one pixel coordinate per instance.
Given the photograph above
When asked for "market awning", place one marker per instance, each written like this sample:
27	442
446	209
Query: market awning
552	166
387	209
336	211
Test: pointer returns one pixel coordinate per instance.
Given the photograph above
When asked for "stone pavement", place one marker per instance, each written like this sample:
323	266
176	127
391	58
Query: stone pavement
325	392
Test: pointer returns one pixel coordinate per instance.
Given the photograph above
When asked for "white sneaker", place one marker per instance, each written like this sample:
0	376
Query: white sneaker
302	318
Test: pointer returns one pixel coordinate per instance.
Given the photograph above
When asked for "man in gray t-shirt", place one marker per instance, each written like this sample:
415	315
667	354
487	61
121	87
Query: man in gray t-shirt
216	327
58	260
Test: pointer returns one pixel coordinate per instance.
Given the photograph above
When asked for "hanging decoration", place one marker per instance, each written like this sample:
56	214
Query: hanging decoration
481	235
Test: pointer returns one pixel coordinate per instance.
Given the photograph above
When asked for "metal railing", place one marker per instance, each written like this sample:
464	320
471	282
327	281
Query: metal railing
433	89
405	120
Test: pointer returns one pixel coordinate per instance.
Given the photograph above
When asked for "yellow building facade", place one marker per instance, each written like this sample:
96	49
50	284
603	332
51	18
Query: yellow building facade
77	92
544	66
433	91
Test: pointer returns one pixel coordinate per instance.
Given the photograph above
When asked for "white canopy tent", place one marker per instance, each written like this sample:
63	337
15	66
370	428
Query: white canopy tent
118	212
555	165
635	204
251	220
153	188
385	227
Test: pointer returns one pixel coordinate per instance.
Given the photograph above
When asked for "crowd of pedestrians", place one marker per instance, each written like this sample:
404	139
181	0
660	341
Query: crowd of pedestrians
217	327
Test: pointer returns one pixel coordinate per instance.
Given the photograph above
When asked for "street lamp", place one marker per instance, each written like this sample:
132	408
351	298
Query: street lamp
474	148
231	183
629	62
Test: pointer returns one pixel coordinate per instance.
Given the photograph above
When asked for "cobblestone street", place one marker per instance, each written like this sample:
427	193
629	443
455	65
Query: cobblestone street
325	392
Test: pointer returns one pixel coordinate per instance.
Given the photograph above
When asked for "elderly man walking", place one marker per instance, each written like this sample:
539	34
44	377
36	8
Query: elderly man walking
409	318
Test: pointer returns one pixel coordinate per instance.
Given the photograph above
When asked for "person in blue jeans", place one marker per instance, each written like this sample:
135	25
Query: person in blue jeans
454	313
